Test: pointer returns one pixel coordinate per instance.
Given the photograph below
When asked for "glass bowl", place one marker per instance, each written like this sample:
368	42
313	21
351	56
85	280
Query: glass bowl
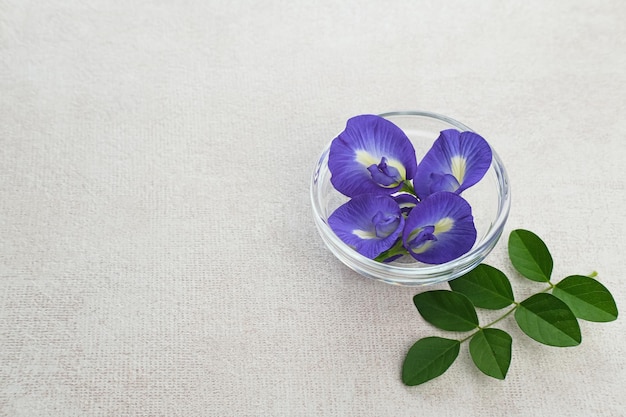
490	200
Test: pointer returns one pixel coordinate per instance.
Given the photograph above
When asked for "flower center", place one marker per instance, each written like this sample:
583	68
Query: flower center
385	175
443	182
422	239
385	224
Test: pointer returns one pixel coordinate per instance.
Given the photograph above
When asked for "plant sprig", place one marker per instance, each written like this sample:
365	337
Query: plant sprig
550	316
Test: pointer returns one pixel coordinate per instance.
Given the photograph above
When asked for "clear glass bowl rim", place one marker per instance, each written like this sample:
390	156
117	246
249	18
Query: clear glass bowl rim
404	275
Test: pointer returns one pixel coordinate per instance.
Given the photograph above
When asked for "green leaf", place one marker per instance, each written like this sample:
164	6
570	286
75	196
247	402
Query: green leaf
485	286
428	358
587	298
447	310
530	256
548	320
491	352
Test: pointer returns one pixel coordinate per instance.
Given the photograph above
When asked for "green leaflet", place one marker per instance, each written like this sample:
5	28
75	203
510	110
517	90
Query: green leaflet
428	358
587	298
548	320
486	287
530	256
491	352
447	310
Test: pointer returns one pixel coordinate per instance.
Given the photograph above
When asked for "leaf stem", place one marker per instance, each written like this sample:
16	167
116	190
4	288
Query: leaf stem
551	286
492	323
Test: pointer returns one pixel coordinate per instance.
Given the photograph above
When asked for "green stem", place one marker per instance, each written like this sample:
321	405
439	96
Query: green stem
551	286
502	317
408	187
396	249
493	322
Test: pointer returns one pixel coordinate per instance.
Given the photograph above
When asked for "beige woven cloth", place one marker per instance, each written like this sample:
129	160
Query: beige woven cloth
157	251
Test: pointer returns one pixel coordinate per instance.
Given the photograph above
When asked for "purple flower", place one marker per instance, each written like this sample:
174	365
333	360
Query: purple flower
456	161
439	229
372	155
370	223
373	162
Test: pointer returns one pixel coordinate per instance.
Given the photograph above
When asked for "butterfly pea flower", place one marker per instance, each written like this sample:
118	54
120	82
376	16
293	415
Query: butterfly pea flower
439	229
370	223
456	161
372	155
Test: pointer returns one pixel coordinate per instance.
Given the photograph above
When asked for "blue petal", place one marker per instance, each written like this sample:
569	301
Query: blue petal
439	229
444	182
406	202
372	155
456	161
370	223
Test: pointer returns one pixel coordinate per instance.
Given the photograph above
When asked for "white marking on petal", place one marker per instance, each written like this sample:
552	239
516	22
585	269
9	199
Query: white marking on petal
458	164
366	159
364	234
397	165
425	246
443	225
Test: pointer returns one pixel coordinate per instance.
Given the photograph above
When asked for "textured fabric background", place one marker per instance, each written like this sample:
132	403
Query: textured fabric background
157	251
